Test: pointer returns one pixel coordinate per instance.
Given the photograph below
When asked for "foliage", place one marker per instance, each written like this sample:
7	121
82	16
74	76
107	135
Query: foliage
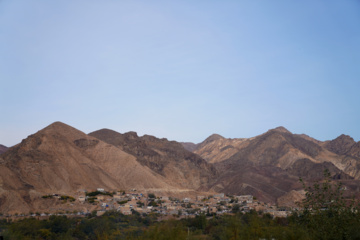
113	225
235	208
95	193
65	198
326	213
153	203
47	196
91	199
151	195
140	204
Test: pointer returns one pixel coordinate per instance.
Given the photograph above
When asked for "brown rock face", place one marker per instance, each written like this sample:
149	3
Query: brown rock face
311	171
341	145
355	150
191	147
167	158
218	149
3	149
269	165
61	159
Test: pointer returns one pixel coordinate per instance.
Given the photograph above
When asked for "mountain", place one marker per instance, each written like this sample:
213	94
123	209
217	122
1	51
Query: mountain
167	158
269	165
189	146
341	145
344	145
3	149
355	150
216	148
61	159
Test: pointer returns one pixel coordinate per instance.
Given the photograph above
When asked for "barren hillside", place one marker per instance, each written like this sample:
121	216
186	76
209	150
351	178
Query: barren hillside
61	159
167	158
269	165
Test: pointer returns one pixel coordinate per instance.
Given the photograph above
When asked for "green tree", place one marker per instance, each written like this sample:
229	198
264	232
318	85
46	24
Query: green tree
235	208
151	195
326	213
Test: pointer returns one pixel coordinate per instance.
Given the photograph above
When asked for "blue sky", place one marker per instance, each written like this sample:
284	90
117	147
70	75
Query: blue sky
180	69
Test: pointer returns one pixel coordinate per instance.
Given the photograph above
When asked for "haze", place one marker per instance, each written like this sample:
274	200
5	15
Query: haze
180	69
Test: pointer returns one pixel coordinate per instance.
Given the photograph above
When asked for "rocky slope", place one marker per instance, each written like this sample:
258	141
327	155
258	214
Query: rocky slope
344	145
3	149
269	165
167	158
61	159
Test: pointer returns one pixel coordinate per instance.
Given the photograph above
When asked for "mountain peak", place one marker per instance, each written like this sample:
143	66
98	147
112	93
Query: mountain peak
58	126
281	129
131	135
61	129
105	131
346	138
341	145
214	137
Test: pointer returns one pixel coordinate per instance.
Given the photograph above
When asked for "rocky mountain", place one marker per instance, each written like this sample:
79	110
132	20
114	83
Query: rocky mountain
61	159
341	145
344	145
217	148
167	158
269	165
189	146
3	149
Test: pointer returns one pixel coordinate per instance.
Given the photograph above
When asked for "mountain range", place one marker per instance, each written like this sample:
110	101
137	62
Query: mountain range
269	165
61	159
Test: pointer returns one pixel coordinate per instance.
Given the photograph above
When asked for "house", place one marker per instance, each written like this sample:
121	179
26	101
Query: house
100	197
245	198
100	212
220	195
125	210
213	209
199	198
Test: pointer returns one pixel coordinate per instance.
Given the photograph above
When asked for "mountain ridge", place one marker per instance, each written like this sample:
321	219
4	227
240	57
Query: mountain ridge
162	156
63	159
246	166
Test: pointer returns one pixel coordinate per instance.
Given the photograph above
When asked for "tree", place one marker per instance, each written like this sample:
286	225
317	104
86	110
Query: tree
235	208
151	195
326	213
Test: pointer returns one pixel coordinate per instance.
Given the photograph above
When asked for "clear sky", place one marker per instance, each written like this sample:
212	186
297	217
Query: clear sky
180	69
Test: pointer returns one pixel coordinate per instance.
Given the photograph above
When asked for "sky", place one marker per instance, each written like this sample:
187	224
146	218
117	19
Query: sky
180	70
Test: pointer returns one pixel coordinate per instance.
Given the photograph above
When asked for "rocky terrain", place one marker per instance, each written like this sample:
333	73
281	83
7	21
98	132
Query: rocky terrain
269	165
167	158
3	149
61	159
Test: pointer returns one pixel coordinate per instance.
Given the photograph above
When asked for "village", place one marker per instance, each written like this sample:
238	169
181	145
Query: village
99	201
132	201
